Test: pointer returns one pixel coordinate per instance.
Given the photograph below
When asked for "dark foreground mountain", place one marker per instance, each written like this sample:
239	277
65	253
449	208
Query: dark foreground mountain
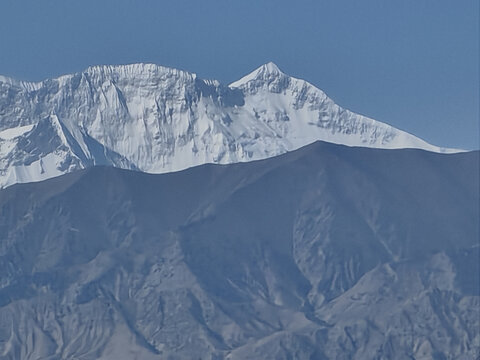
327	252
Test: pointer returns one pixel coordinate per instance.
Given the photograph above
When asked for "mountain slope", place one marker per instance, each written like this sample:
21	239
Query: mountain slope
159	120
324	252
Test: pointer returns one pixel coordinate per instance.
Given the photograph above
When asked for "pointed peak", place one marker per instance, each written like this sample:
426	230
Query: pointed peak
265	72
270	68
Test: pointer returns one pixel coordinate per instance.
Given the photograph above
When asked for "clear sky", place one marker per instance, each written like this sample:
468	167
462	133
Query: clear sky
411	63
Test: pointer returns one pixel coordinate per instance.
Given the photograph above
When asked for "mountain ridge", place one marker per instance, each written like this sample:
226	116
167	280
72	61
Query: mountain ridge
159	119
323	252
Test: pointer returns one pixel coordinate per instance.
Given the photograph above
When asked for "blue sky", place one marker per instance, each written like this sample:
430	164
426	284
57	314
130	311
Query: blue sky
411	63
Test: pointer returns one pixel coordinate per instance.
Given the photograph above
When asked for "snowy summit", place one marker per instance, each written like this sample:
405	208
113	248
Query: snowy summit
157	119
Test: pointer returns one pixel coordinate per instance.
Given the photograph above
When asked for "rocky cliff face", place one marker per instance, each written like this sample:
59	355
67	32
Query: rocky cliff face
158	120
327	252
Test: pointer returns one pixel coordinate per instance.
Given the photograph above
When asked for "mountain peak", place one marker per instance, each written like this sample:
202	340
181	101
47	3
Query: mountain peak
265	72
270	68
158	119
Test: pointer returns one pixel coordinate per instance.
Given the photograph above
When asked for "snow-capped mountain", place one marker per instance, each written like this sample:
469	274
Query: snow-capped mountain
157	119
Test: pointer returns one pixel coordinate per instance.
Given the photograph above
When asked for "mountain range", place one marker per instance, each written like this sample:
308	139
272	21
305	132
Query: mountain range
326	252
146	213
156	119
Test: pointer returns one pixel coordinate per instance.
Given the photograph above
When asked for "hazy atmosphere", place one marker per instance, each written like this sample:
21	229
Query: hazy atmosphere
239	180
411	64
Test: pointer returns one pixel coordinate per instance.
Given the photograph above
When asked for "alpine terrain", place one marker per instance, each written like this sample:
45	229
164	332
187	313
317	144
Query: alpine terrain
326	252
156	119
146	213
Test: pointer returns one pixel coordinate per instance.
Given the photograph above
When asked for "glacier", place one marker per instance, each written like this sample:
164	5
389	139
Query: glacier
156	119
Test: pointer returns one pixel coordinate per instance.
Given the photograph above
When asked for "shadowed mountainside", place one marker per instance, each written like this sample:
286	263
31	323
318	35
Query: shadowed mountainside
324	252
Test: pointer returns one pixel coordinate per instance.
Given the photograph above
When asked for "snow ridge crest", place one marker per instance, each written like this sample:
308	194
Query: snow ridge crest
159	119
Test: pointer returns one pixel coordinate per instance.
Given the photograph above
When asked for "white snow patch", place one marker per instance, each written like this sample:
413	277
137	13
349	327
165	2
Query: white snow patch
12	133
